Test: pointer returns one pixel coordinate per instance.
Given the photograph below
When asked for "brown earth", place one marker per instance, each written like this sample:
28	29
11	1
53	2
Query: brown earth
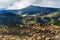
29	32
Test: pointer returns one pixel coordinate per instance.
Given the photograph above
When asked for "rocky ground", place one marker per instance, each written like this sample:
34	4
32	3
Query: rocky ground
30	32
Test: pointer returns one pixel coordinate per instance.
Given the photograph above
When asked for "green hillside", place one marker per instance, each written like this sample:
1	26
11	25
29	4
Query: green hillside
56	22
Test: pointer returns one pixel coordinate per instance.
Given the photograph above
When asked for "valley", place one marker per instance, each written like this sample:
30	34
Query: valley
30	23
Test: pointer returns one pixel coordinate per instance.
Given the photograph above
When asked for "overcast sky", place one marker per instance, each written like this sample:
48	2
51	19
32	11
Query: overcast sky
19	4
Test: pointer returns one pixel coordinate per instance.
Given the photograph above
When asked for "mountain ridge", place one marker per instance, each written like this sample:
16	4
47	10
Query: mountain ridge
36	9
32	9
11	17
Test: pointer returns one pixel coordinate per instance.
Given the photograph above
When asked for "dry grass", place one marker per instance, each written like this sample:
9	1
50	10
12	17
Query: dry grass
30	32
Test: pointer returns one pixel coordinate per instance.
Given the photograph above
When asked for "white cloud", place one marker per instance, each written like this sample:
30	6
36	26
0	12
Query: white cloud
21	4
49	3
43	3
6	3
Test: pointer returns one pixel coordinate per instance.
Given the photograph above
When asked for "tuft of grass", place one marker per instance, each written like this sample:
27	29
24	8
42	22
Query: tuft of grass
56	22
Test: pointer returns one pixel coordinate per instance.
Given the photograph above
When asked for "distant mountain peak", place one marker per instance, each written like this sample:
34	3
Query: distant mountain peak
37	9
30	5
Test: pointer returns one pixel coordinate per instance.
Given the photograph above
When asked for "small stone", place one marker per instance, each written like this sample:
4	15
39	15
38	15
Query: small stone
56	36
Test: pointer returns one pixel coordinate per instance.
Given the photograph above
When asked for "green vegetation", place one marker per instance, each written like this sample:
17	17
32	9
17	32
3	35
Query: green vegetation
56	22
53	14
